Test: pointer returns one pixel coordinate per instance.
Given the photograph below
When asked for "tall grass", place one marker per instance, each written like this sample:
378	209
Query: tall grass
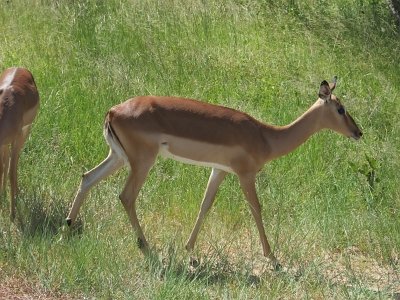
266	58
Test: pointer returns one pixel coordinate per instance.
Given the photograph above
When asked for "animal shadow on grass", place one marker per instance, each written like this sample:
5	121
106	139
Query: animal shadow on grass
213	268
40	213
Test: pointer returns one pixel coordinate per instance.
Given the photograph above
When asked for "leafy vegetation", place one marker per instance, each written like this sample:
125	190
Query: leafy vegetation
331	208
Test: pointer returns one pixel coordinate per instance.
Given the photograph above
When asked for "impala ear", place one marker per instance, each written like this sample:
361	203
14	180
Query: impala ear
325	91
333	84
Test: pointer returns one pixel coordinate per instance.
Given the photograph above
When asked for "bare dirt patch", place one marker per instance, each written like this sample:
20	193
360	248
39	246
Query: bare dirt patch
18	288
351	267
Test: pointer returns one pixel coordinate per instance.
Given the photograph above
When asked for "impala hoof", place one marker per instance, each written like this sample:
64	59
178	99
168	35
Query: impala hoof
141	244
277	267
194	262
275	263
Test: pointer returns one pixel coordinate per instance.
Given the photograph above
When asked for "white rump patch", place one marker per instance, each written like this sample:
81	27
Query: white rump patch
115	146
8	79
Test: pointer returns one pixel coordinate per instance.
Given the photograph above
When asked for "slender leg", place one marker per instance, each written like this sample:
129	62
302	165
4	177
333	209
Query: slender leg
16	147
139	170
247	184
13	179
4	163
110	165
215	180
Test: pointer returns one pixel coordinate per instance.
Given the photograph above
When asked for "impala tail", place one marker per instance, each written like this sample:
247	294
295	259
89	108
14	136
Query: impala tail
112	138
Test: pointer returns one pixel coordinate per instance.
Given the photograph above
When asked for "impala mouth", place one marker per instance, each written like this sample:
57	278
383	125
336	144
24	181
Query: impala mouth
356	135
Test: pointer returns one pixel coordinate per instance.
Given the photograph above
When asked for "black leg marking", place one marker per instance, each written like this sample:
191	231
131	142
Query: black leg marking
140	243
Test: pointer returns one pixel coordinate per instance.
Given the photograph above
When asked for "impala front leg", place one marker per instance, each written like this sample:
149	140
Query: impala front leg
248	186
216	178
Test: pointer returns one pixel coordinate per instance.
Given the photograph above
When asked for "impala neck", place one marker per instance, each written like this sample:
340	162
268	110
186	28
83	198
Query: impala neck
284	139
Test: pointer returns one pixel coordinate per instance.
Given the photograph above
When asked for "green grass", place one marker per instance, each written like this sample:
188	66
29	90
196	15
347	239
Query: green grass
263	57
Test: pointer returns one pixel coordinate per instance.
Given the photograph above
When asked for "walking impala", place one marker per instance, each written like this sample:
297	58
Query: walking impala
190	131
19	102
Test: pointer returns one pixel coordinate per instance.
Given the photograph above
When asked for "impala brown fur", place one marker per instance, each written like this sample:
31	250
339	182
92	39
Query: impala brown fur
19	102
190	131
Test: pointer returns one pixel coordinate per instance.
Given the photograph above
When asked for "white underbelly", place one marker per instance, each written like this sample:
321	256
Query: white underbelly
166	153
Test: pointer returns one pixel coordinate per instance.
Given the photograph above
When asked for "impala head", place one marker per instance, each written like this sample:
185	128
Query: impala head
335	115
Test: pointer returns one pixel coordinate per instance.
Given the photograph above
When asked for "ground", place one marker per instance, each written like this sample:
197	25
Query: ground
350	268
18	288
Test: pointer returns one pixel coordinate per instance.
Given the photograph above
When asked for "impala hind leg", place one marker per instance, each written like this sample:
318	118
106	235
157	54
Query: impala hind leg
215	180
4	165
111	164
16	147
247	184
139	171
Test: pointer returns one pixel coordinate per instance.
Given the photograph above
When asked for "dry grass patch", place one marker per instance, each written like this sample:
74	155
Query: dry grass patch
353	268
14	287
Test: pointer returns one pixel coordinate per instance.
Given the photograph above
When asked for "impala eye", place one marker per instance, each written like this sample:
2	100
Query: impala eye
341	110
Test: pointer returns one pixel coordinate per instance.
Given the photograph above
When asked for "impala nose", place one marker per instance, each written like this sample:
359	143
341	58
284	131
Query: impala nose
357	134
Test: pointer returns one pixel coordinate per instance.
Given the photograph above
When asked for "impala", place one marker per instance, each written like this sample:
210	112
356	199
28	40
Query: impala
227	140
19	103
